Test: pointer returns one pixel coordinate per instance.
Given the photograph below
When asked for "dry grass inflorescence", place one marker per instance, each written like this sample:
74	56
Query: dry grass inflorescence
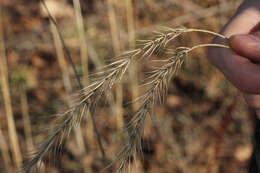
160	107
102	82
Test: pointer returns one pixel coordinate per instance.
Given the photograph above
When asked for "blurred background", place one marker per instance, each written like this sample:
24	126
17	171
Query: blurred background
204	125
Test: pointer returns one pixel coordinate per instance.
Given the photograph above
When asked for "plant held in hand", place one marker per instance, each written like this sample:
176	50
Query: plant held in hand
102	82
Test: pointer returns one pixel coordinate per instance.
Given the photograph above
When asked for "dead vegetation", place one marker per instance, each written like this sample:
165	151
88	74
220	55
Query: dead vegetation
180	136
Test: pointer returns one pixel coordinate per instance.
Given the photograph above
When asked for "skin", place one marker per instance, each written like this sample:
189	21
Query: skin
241	63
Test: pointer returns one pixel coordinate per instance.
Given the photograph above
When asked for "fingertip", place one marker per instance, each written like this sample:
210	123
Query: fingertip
236	41
231	39
246	45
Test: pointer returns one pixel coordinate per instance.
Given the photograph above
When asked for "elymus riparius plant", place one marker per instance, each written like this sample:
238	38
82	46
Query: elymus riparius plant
102	82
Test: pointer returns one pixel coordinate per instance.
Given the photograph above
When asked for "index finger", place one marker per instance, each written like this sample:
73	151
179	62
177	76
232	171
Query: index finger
239	70
245	21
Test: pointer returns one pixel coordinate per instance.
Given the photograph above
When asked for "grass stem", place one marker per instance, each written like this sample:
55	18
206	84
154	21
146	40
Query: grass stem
13	136
116	47
82	40
67	52
67	84
26	120
4	152
131	39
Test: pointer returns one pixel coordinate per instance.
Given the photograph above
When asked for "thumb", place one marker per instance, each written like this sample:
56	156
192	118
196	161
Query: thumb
246	45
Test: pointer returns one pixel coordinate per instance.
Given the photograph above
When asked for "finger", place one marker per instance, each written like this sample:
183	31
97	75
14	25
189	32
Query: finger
247	45
245	21
240	71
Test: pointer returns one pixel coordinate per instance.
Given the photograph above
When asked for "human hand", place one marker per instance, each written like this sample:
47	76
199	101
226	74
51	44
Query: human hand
240	64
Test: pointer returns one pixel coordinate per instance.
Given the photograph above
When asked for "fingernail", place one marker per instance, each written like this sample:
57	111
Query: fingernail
248	39
255	41
254	38
245	37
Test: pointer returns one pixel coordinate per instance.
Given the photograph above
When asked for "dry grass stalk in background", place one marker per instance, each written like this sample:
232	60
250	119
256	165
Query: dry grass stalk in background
84	56
67	52
102	82
67	84
113	26
116	47
68	88
62	63
26	120
13	137
131	39
4	152
82	40
27	125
